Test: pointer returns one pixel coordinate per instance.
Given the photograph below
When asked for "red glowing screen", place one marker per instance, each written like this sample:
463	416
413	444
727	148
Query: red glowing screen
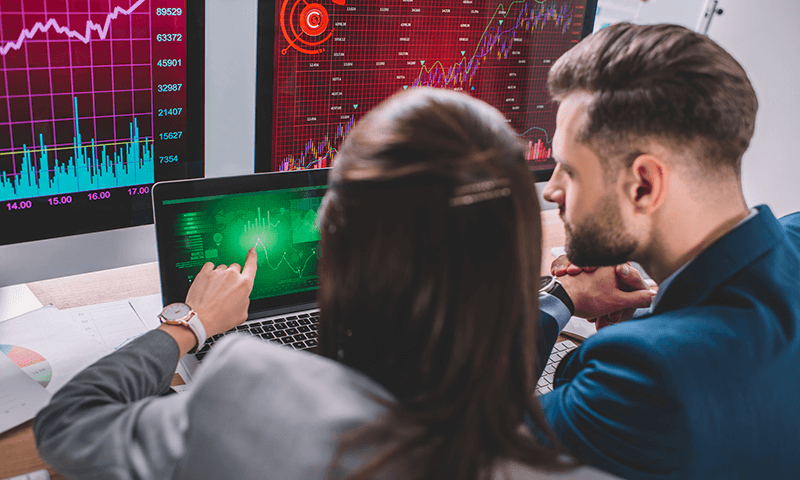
336	59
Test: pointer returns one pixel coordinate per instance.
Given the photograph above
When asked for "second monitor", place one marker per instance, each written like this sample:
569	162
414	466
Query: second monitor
322	66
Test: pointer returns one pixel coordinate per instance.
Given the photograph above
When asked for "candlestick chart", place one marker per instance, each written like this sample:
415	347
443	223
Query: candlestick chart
499	52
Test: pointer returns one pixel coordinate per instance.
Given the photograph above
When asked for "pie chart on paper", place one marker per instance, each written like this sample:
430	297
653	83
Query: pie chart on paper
30	362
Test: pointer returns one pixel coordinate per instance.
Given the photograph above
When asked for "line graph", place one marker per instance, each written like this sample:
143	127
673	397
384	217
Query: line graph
495	36
77	86
281	225
102	30
318	154
497	51
299	271
92	166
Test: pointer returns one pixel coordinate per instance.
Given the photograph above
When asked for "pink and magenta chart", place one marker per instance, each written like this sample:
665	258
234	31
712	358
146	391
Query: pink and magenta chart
92	104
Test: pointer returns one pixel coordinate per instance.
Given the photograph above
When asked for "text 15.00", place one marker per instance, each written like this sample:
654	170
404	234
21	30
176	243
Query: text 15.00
60	200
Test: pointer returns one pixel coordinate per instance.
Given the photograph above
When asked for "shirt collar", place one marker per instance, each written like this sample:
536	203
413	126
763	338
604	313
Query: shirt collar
665	284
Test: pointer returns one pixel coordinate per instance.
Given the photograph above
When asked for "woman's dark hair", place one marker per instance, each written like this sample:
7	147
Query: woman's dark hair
660	81
431	251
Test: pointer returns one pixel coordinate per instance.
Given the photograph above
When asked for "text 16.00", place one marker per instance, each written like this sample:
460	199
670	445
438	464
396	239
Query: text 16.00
99	195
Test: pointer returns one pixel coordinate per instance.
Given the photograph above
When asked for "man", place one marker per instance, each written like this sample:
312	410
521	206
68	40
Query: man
652	125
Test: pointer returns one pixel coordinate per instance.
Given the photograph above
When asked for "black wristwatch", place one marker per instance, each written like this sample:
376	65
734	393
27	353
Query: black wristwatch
552	286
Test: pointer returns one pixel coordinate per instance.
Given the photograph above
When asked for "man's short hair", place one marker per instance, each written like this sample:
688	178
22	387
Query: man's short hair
661	82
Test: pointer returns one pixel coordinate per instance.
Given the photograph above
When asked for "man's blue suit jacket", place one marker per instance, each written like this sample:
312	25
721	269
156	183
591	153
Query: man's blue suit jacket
708	384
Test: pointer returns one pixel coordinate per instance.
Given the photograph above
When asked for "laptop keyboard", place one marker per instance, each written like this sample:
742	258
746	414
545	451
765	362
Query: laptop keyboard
296	331
560	350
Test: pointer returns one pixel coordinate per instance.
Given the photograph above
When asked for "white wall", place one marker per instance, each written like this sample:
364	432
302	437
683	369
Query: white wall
230	126
764	37
681	12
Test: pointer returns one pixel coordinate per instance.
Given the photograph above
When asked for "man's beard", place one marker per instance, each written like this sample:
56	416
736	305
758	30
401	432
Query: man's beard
600	240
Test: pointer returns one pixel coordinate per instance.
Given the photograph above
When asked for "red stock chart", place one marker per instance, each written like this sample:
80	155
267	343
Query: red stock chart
337	59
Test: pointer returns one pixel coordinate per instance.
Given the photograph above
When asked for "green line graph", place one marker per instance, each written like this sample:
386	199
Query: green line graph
281	225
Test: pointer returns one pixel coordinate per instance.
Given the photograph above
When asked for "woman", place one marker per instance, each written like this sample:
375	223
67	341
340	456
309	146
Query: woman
430	241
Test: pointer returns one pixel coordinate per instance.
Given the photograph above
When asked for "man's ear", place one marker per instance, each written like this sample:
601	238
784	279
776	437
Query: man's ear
648	183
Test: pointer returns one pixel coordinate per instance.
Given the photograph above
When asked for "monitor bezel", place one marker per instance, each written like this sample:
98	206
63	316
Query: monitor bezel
132	211
174	291
265	84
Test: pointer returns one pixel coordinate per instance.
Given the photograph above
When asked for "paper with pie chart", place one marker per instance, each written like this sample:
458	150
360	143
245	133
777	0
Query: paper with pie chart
20	396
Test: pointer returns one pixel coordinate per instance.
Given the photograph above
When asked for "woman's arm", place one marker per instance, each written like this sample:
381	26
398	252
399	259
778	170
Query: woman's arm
110	421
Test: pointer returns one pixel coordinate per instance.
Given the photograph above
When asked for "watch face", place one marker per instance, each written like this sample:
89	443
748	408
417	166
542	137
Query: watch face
175	311
545	280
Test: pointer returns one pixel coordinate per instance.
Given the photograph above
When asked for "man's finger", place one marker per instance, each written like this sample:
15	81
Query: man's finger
601	322
573	269
639	299
631	278
250	264
559	266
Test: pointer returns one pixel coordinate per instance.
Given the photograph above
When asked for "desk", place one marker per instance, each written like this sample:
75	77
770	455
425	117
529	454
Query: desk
18	447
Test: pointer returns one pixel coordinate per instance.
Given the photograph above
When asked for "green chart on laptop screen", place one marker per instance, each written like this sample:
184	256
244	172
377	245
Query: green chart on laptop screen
281	224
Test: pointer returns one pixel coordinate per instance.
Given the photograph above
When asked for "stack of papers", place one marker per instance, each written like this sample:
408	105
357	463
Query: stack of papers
43	349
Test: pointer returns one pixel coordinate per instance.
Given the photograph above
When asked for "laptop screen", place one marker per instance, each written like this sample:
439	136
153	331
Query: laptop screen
219	219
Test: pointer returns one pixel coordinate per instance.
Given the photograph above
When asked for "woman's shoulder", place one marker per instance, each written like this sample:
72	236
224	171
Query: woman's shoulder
513	470
257	406
241	358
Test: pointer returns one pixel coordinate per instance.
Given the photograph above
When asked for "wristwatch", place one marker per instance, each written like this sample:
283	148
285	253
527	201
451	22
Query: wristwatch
552	286
182	314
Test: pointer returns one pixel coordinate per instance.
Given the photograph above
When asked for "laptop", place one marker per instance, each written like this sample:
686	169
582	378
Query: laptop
219	219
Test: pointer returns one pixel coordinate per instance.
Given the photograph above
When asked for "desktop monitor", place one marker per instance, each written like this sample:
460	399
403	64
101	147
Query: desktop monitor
322	65
100	99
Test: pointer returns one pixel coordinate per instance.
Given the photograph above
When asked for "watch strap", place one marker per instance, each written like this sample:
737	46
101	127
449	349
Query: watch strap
561	294
551	286
198	329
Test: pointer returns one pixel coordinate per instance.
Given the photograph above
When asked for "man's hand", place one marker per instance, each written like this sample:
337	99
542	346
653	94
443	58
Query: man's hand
221	295
597	292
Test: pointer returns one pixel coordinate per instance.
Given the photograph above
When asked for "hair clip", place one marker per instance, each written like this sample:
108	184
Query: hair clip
479	192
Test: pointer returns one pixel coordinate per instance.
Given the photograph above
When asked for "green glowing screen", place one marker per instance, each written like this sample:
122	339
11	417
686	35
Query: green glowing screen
281	224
